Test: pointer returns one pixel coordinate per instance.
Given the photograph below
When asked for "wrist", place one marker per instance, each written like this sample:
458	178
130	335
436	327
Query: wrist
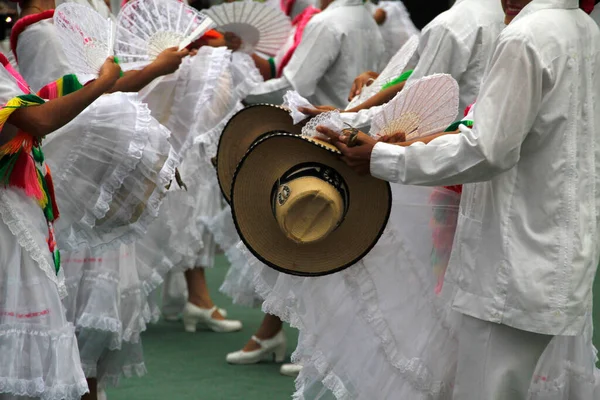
104	83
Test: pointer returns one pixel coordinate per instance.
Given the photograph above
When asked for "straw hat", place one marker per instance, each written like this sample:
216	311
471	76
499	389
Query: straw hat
301	210
241	131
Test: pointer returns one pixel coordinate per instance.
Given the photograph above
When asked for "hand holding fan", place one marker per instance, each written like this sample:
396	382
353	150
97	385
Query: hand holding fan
423	108
392	70
86	38
145	28
261	27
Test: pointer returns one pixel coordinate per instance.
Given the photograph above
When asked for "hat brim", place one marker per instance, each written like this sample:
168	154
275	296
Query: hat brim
370	202
243	129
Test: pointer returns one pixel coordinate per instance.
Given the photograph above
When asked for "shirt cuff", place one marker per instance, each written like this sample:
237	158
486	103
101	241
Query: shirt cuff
386	161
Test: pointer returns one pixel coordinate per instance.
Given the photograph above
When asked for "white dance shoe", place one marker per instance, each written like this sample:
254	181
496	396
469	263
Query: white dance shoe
177	317
292	370
276	347
101	394
194	316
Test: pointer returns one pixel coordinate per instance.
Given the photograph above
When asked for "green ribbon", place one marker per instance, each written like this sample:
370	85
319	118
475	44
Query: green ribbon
273	67
454	126
402	78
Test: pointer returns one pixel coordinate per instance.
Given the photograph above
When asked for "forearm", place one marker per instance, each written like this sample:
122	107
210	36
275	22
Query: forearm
54	114
380	98
446	160
134	81
264	66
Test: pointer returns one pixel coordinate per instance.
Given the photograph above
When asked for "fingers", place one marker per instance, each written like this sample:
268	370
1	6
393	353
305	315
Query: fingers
330	133
313	112
352	91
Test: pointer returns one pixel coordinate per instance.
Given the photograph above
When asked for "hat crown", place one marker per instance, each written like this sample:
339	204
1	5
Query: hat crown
308	209
309	202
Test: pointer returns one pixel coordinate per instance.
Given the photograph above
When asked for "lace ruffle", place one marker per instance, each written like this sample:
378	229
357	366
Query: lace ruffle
292	100
18	223
245	75
56	352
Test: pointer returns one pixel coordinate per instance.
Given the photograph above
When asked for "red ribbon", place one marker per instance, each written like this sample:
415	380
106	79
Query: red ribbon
587	5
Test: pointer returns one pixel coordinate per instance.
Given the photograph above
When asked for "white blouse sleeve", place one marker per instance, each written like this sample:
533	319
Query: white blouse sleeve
506	109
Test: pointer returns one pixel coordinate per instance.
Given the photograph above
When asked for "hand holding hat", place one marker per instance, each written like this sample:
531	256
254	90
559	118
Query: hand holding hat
356	147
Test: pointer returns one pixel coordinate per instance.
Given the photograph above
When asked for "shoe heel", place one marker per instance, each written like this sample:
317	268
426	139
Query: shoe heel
189	326
279	353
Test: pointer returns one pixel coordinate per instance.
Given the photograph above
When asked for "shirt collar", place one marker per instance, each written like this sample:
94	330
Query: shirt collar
537	5
344	3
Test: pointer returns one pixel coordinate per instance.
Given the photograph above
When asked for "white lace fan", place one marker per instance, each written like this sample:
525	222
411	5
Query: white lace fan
425	107
147	27
86	38
261	27
392	70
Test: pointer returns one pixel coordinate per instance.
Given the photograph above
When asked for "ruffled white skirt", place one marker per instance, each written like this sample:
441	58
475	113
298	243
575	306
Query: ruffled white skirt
109	307
39	351
205	95
381	329
111	165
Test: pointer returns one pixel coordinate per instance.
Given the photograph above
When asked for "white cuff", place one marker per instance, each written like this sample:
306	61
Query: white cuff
386	161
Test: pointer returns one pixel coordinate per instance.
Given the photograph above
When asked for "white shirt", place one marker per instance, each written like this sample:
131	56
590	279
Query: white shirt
337	45
40	55
526	245
459	42
396	29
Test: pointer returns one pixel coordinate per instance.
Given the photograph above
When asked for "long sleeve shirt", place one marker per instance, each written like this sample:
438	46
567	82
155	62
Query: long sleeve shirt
337	45
526	246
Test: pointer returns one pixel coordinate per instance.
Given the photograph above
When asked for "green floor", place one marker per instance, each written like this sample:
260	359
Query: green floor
188	366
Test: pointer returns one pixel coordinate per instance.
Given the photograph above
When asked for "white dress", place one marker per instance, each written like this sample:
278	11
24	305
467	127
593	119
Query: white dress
113	161
39	348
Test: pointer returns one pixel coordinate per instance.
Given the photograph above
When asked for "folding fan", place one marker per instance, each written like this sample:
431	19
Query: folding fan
425	107
86	38
261	27
392	70
147	27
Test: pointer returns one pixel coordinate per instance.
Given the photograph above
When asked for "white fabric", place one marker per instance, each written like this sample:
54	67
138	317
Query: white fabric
396	29
40	55
337	45
495	361
120	157
38	345
108	305
532	219
459	42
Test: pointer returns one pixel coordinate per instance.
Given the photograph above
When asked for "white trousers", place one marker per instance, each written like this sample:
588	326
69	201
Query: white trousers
495	362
